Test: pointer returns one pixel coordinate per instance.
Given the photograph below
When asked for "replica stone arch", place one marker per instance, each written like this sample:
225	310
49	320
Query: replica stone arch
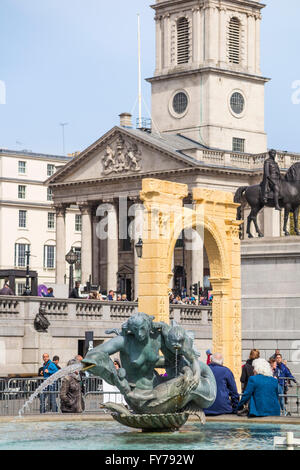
164	219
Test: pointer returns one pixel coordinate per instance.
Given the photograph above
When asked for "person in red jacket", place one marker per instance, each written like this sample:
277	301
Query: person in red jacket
208	354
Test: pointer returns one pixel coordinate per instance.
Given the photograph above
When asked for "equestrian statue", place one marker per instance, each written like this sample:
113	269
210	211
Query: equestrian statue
274	191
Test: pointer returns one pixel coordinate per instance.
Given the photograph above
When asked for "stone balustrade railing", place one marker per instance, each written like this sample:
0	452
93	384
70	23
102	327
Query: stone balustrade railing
191	314
243	160
9	307
82	309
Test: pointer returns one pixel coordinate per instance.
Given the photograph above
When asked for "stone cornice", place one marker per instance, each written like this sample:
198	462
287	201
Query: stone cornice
30	205
4	179
241	3
206	69
212	169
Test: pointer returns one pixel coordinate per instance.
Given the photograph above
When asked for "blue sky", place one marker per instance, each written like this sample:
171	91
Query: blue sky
75	61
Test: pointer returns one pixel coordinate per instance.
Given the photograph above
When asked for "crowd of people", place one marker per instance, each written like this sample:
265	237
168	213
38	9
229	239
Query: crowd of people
264	386
205	298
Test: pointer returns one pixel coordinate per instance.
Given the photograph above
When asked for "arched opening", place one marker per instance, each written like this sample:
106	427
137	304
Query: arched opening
190	267
234	41
183	41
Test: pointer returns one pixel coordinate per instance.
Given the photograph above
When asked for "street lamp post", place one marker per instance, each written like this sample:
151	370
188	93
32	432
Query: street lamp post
139	248
27	290
71	259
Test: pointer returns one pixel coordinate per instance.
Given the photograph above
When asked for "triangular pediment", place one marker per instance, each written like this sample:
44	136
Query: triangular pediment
121	152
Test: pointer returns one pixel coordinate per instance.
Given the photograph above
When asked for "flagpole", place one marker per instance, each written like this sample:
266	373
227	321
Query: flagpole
139	72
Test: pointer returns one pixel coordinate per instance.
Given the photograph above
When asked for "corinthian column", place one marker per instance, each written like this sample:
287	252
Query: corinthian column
136	235
60	243
95	251
112	248
86	242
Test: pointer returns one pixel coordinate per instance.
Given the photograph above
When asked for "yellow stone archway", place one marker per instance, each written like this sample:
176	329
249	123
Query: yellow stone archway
164	219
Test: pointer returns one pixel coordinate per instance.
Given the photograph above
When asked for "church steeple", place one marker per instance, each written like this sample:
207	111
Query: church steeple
207	82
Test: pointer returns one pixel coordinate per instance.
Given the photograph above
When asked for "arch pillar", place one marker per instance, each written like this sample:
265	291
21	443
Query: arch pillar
162	201
222	243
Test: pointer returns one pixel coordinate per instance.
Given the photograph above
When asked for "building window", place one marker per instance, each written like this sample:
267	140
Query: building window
50	169
49	256
183	41
20	288
238	145
234	41
49	194
20	254
78	223
51	220
180	102
22	167
22	219
237	103
21	192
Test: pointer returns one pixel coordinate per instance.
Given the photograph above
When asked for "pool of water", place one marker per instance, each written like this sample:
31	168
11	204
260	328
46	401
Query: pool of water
97	435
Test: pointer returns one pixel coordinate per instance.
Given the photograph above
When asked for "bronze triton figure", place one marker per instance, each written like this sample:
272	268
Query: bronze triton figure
154	401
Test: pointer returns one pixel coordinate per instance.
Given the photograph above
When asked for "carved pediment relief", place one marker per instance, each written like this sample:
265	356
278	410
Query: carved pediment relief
119	154
120	157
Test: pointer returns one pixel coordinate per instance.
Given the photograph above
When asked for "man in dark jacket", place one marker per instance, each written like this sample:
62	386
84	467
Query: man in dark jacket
227	395
75	292
248	370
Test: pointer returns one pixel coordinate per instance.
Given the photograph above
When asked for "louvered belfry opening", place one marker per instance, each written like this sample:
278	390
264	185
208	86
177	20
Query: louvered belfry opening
183	41
234	41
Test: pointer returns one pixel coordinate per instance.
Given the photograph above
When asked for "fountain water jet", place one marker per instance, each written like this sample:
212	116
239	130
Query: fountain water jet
49	381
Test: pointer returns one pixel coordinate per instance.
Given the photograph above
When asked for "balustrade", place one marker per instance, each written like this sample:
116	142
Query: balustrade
9	307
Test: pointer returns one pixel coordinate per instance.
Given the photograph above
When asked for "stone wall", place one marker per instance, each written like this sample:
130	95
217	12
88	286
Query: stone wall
21	346
271	298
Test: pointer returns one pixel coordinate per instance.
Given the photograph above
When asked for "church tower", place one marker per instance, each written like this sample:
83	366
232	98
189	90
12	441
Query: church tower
207	83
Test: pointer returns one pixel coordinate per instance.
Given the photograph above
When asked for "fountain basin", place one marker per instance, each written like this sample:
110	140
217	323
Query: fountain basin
102	435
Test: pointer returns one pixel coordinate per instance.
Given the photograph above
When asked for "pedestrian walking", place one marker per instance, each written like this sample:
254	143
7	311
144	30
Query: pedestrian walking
71	399
248	370
283	375
48	395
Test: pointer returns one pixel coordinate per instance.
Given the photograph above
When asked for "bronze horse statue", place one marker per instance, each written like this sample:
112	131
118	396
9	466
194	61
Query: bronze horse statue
289	199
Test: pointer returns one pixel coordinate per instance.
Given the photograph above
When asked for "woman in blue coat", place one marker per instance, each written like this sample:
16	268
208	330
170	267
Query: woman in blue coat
262	391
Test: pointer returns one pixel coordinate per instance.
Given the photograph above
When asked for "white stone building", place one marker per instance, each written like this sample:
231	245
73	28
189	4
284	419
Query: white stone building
27	215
